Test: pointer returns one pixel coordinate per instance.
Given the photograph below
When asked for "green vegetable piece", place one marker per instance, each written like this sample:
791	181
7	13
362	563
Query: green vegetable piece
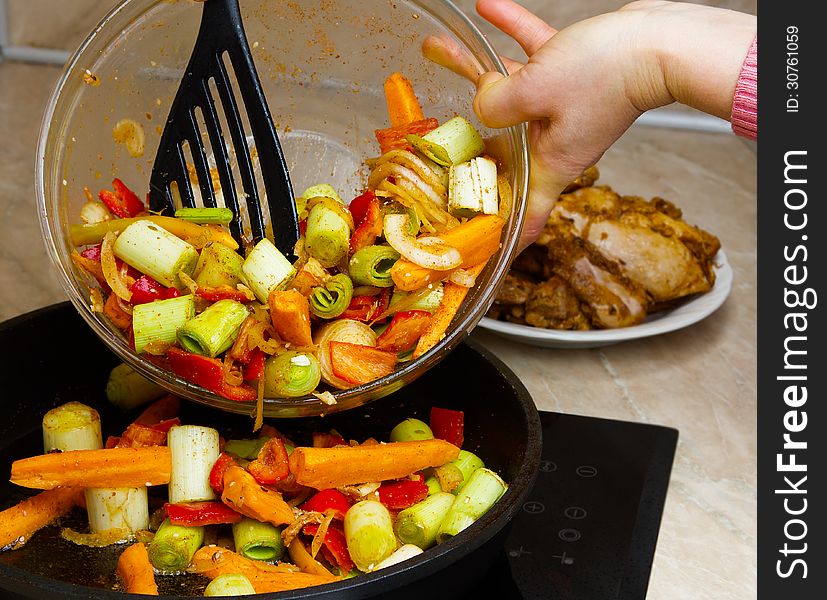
475	498
154	251
229	584
411	429
218	215
266	269
330	300
247	449
173	547
455	141
126	388
321	190
327	236
429	301
292	374
372	266
467	462
159	321
257	540
214	330
420	523
369	534
218	265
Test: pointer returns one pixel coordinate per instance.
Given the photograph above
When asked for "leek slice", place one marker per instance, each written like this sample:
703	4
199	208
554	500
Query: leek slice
292	374
266	269
229	584
126	388
479	494
154	251
173	547
327	236
194	452
258	541
372	266
125	509
72	426
420	523
214	330
455	141
330	300
369	534
159	321
472	188
218	265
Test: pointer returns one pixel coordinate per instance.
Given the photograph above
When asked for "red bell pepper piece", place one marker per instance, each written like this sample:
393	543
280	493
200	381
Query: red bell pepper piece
112	442
208	373
194	514
254	370
394	137
92	252
448	425
146	289
223	292
223	461
122	202
404	330
328	500
141	436
367	308
328	440
165	425
399	495
359	206
336	543
370	227
270	465
358	364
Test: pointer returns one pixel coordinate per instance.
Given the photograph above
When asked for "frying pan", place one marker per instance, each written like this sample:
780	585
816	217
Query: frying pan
50	356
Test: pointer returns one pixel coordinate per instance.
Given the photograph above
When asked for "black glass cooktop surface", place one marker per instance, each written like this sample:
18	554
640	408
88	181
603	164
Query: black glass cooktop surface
589	528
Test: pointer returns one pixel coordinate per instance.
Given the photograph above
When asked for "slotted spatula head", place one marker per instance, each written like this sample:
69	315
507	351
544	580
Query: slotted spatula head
207	74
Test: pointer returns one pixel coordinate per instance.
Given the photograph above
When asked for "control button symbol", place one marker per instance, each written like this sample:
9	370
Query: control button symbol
586	471
564	560
533	507
518	552
569	535
575	512
548	466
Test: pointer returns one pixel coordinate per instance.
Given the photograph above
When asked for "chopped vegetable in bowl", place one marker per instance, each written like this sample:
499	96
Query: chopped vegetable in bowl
269	513
376	282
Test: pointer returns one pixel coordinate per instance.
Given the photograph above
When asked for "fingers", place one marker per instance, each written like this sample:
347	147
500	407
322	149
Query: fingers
446	52
527	29
506	101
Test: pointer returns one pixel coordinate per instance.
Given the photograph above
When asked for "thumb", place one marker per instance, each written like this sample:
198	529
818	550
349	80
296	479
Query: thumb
504	101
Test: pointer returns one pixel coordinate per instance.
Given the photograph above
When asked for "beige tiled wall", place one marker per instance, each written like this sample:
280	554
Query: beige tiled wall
64	23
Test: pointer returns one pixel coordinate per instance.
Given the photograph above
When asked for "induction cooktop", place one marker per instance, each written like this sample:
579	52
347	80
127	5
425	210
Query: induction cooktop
589	528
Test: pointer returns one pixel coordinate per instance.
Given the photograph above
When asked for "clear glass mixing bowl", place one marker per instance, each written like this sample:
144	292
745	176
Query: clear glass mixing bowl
322	65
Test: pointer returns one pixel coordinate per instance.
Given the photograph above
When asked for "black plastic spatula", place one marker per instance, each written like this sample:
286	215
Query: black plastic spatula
207	73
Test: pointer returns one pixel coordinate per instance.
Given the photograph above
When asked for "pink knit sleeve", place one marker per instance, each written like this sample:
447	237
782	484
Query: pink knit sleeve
745	101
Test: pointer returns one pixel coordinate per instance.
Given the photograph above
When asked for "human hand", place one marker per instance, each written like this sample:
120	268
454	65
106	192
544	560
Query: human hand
582	87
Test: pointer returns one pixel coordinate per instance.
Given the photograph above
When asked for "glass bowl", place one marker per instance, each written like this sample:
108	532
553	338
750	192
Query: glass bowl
322	65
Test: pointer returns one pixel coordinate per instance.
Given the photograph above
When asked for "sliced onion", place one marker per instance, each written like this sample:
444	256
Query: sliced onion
96	540
110	268
463	278
421	189
94	212
432	173
428	252
340	330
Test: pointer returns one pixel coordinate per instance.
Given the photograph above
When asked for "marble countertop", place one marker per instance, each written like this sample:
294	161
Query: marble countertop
699	380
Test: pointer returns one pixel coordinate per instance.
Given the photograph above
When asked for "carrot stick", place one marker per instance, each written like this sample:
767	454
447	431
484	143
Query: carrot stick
212	561
452	298
403	106
21	521
136	571
477	240
322	468
108	468
246	495
162	409
290	313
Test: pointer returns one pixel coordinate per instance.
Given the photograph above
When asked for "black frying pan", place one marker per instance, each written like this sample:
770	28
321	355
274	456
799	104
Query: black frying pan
50	356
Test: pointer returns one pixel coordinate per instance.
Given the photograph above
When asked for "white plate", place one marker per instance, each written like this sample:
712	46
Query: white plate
662	322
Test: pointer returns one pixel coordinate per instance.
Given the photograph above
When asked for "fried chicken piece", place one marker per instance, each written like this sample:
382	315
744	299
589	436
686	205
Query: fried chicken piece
608	297
648	240
553	304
